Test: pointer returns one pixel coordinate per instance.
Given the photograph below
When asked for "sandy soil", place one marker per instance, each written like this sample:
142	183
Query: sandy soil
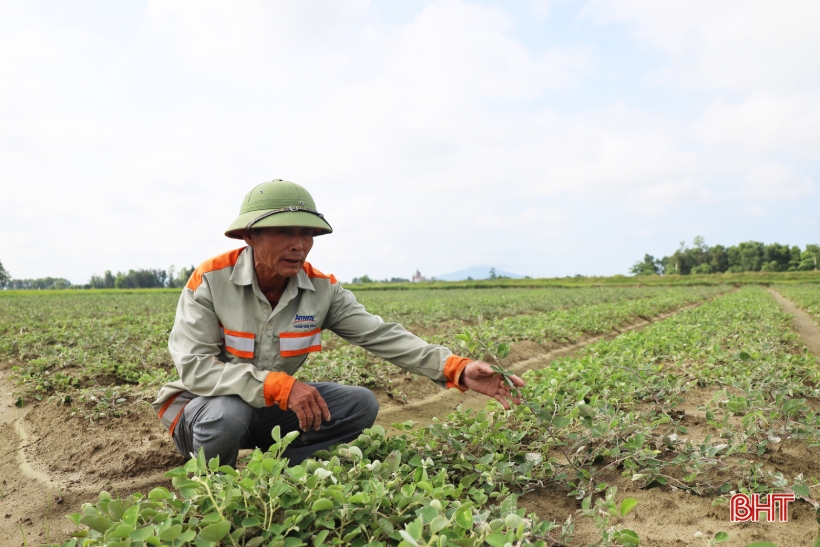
50	464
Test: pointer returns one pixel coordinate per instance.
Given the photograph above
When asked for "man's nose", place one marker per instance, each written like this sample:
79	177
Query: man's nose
296	243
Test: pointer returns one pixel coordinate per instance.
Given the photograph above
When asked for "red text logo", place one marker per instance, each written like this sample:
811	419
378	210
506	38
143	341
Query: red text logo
743	508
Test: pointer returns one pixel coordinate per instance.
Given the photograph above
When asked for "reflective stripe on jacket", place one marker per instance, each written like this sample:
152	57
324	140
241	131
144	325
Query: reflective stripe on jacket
227	340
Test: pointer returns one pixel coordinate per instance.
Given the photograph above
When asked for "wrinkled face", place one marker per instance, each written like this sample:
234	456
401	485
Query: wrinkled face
280	250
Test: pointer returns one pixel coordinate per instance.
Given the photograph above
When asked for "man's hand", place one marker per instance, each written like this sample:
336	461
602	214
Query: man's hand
479	377
308	405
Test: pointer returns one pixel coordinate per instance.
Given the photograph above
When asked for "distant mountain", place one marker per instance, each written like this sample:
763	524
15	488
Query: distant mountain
476	272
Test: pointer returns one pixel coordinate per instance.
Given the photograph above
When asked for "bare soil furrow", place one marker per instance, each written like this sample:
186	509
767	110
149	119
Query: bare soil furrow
803	323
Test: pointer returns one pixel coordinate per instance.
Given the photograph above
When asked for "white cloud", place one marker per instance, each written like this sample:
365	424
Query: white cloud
765	123
732	44
439	141
253	42
412	112
754	211
654	200
774	181
540	8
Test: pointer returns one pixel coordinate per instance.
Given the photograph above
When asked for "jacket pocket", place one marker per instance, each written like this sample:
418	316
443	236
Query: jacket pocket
299	343
238	343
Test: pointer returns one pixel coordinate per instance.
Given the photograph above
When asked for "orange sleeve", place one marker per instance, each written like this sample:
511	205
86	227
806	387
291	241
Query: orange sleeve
277	389
453	367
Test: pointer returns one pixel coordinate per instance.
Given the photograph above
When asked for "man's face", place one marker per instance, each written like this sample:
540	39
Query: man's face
281	250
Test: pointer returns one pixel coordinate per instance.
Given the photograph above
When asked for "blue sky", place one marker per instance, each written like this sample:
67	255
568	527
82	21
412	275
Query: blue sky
546	138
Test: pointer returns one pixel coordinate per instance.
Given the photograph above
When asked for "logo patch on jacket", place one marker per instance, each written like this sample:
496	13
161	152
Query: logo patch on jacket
304	322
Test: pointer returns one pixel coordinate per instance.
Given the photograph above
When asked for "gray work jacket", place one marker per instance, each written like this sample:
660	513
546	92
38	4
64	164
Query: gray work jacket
227	340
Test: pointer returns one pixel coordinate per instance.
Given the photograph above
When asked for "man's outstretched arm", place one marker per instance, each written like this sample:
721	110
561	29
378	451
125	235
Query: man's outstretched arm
394	343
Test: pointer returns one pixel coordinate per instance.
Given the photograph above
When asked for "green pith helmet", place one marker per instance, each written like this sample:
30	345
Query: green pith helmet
278	203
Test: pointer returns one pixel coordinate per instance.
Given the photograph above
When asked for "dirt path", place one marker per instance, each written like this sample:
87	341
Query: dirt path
803	323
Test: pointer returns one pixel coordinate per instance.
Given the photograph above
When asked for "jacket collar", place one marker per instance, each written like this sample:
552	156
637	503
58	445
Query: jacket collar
243	271
303	281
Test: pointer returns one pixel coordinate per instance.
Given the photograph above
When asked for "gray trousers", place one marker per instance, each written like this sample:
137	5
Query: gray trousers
223	425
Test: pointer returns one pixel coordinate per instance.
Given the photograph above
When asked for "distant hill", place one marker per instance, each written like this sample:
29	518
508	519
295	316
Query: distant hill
476	272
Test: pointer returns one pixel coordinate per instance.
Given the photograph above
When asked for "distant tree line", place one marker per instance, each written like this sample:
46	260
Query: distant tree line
8	282
41	283
133	279
749	256
141	279
366	279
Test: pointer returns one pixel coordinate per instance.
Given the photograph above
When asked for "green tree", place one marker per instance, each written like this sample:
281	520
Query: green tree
40	283
699	253
649	266
810	258
794	258
776	257
749	256
493	274
184	275
104	282
679	262
173	279
5	278
718	259
746	257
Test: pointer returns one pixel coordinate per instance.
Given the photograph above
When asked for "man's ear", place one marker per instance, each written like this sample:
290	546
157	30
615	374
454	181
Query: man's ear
247	235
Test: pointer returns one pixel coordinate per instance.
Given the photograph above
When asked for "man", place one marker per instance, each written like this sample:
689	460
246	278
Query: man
245	323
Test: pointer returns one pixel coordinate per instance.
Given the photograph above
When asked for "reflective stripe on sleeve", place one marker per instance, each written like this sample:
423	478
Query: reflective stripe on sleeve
172	409
238	343
299	343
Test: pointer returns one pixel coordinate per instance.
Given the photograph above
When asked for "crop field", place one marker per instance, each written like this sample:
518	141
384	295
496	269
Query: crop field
645	409
111	349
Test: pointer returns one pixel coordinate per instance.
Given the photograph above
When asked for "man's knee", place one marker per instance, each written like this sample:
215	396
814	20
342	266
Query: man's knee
367	404
227	417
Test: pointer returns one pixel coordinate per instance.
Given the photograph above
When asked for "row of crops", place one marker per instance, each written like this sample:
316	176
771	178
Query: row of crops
99	353
572	316
432	308
612	413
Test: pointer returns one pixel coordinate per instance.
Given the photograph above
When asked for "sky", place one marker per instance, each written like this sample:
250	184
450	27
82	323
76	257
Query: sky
542	137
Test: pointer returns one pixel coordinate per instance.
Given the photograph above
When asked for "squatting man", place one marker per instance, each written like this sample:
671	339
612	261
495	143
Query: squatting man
247	320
